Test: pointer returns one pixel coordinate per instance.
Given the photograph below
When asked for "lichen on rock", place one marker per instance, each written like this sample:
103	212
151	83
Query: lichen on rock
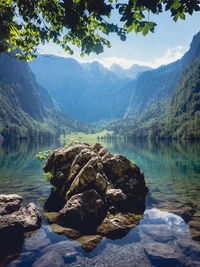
94	188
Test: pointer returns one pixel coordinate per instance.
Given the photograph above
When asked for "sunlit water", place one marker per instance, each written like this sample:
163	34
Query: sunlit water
169	233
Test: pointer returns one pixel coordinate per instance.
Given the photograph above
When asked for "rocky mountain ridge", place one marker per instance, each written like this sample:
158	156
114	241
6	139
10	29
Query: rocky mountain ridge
86	91
27	110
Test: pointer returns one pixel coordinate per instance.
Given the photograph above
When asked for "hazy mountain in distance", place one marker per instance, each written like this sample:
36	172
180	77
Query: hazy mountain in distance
86	91
130	73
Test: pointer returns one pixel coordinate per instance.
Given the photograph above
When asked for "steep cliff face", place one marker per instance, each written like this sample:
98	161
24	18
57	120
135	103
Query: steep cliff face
183	116
184	108
152	87
165	102
186	97
155	86
18	84
26	108
86	91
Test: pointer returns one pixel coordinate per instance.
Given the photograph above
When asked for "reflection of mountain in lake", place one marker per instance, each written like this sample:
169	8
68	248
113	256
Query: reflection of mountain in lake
172	170
21	172
173	176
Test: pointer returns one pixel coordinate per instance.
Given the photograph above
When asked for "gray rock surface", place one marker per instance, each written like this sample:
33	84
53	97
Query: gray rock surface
158	232
81	209
76	168
164	255
10	203
92	187
28	217
61	247
51	259
115	196
15	220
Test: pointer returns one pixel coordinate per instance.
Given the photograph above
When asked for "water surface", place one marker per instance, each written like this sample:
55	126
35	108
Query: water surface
169	233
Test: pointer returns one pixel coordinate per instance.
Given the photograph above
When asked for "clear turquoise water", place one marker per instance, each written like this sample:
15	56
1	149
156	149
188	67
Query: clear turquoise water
172	170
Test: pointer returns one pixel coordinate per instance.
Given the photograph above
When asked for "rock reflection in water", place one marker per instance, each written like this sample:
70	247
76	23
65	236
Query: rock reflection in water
172	170
161	239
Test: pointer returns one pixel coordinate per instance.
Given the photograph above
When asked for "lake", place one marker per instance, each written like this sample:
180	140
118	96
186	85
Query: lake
168	234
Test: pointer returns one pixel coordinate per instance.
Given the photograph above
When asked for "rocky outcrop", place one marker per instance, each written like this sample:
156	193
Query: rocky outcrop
94	188
15	220
13	213
82	210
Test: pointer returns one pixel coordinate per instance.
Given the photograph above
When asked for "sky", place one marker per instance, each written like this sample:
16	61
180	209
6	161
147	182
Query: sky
167	44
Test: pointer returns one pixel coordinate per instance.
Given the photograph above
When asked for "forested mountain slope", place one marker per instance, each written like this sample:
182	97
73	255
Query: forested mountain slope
26	108
165	102
160	103
183	117
157	85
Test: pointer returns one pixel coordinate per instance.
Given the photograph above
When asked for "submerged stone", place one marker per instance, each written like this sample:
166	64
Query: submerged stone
164	255
118	225
89	242
50	259
37	241
69	232
158	232
51	216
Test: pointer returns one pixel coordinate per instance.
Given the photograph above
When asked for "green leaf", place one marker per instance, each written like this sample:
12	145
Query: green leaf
182	16
145	29
176	4
130	28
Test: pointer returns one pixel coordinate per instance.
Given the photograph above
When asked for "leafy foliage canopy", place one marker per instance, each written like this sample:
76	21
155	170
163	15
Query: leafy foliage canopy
84	23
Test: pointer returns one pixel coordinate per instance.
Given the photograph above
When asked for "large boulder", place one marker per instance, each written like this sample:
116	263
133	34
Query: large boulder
15	220
82	210
93	186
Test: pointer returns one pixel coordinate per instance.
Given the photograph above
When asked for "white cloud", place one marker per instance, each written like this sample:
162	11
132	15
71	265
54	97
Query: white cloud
164	217
171	55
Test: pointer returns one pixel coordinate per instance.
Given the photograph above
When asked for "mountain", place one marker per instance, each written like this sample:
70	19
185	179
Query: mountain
133	72
26	108
155	86
87	91
183	117
152	87
165	103
159	103
118	70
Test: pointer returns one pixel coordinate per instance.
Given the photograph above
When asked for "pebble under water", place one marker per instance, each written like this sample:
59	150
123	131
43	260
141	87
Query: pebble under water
168	234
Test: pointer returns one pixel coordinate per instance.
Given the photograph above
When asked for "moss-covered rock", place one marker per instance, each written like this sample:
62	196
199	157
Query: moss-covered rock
95	191
118	225
69	232
89	242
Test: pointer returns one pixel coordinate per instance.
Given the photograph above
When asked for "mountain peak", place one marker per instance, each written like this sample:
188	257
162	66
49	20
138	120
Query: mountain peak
130	73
